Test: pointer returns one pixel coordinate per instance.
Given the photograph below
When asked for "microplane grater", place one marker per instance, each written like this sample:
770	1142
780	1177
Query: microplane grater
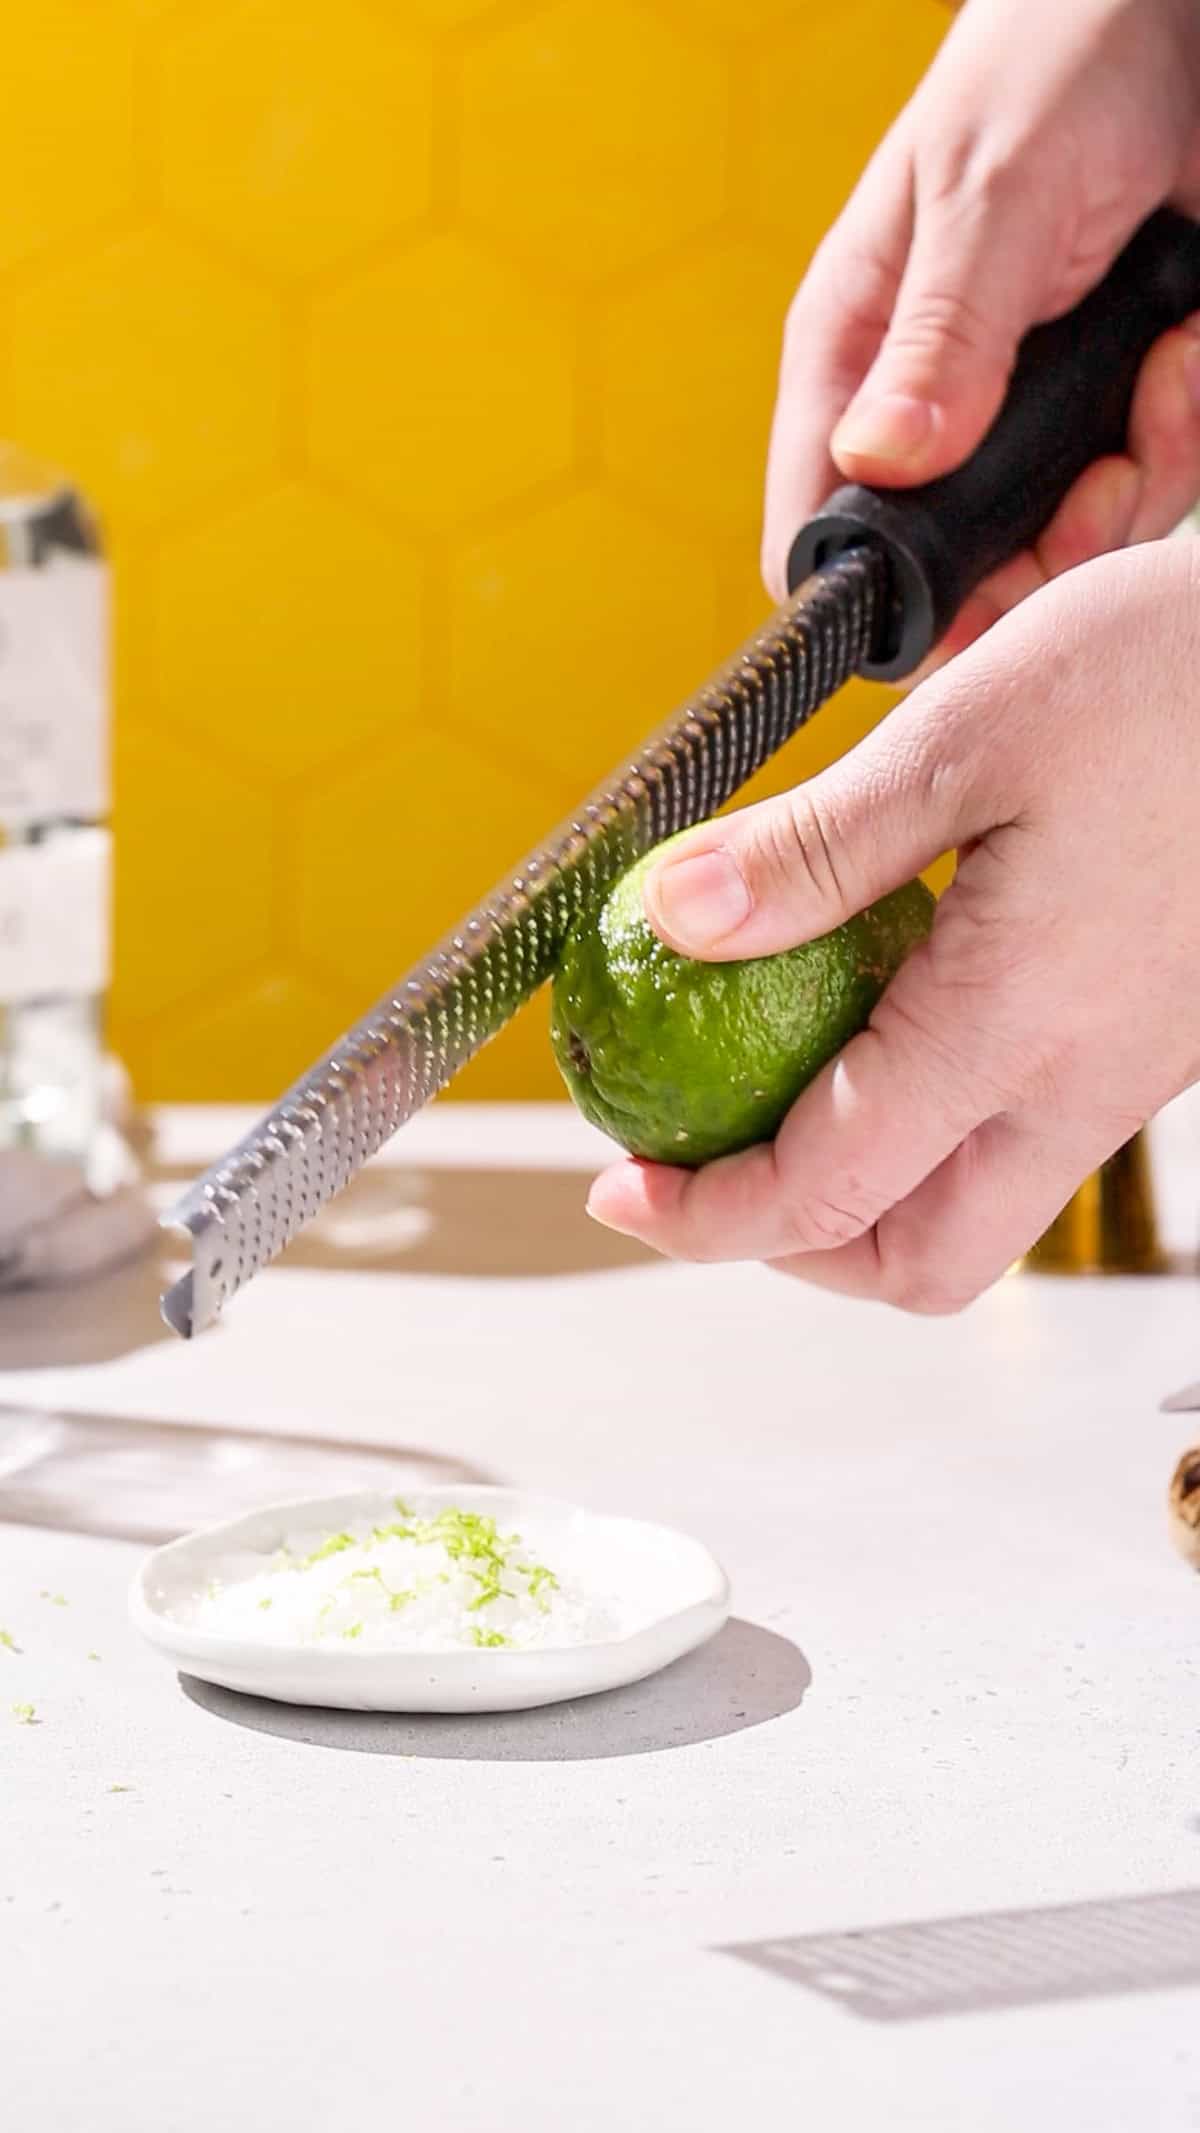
877	577
416	1038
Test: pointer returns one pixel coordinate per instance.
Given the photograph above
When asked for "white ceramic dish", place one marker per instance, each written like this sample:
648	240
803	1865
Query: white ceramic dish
669	1592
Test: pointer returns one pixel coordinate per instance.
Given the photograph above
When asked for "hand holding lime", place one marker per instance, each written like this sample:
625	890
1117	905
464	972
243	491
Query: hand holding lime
682	1061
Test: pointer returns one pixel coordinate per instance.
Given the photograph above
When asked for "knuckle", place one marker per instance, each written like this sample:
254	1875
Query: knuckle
919	1287
826	1222
938	320
864	282
800	844
820	1226
931	1297
802	847
970	172
847	298
929	768
927	764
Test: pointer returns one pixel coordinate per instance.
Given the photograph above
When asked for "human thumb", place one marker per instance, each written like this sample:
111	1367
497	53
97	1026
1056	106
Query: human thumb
794	867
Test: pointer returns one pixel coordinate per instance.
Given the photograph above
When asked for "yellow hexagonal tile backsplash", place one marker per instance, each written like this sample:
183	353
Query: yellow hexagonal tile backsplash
419	357
149	371
687	370
440	384
69	148
591	618
430	809
593	134
303	593
293	146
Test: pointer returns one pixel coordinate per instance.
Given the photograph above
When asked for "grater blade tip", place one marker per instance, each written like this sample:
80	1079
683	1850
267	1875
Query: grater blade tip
177	1306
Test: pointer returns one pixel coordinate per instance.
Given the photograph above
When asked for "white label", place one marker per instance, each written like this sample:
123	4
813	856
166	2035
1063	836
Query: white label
53	691
54	917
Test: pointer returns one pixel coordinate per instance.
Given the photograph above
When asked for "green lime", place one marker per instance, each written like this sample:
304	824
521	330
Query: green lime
682	1061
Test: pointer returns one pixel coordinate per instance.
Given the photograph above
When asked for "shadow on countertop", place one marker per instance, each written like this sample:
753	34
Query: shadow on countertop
998	1959
503	1223
474	1224
133	1479
745	1677
113	1314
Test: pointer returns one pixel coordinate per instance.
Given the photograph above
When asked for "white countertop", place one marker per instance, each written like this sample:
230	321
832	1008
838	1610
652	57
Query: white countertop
963	1684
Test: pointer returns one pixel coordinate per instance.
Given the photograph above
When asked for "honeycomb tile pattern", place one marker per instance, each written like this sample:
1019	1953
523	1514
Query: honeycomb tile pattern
418	355
324	142
605	189
440	385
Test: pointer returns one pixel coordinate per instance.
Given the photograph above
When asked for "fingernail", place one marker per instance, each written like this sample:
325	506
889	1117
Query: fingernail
698	902
893	427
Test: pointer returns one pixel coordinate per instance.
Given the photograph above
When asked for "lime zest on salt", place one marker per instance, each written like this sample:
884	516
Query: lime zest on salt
441	1573
335	1545
25	1714
542	1582
8	1642
374	1576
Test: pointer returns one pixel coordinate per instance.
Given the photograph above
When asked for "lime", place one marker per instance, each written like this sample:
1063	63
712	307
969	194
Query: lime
682	1061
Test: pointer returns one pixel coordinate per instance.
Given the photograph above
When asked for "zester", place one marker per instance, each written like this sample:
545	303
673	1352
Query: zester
876	578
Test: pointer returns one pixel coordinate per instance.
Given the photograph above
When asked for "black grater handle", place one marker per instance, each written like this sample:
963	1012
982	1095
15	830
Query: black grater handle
1068	404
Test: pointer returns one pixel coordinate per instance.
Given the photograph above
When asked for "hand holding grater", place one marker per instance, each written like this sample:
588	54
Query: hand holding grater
876	578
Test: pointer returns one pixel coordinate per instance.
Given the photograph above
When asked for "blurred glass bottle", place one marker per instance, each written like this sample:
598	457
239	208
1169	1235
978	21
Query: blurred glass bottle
55	847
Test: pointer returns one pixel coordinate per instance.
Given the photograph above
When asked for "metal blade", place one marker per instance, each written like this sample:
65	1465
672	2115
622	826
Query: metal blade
245	1209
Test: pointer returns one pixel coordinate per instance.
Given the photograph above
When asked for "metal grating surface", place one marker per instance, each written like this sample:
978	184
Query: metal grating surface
414	1040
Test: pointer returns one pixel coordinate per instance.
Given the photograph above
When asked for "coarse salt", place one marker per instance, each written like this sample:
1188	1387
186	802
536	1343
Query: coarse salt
415	1584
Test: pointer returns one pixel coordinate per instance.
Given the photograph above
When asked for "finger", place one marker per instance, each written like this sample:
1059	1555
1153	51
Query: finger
977	277
834	328
1120	500
894	1104
797	865
1164	433
1095	518
978	1213
995	598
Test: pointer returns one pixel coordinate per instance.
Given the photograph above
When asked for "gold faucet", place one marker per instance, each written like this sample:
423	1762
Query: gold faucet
1109	1226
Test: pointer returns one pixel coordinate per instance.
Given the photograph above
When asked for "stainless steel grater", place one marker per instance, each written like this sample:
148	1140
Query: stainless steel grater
880	575
418	1036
